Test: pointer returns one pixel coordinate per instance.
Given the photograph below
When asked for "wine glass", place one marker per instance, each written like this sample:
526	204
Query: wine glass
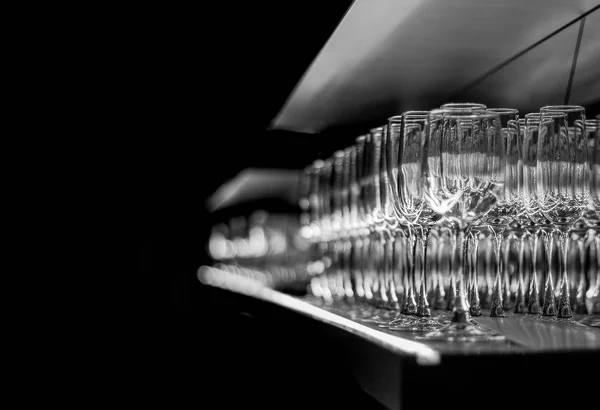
593	135
342	203
473	300
410	192
594	291
389	223
325	230
337	240
563	183
499	218
583	233
537	224
577	178
406	134
377	222
354	227
408	305
463	173
307	230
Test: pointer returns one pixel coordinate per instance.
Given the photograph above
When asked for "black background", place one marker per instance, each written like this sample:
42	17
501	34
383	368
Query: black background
236	74
233	67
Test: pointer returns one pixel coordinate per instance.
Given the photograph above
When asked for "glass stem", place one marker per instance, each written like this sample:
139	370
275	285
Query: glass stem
474	304
564	296
392	297
549	308
422	303
497	304
460	312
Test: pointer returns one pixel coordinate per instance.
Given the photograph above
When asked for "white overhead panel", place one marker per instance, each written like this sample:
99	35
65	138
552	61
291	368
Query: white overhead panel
389	56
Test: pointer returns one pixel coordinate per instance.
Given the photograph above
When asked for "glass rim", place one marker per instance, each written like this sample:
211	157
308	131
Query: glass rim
395	118
565	108
415	113
361	138
412	124
463	105
503	110
476	113
553	114
415	119
318	163
376	130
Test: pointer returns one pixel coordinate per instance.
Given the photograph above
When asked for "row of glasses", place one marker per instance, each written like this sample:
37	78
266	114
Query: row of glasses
415	213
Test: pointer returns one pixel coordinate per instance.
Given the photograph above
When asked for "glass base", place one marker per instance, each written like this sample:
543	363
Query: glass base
463	329
415	324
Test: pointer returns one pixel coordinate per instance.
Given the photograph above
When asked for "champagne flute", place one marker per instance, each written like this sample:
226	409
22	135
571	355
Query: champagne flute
463	172
404	153
563	183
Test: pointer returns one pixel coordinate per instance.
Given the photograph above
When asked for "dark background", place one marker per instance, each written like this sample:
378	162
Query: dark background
236	75
233	69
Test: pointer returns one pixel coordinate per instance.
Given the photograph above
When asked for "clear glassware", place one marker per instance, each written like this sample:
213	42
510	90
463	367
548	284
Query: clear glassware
346	228
505	214
389	223
539	227
593	294
317	255
593	132
305	190
363	216
405	138
336	242
408	305
463	106
463	175
562	185
473	300
582	235
410	191
325	231
375	232
378	223
354	233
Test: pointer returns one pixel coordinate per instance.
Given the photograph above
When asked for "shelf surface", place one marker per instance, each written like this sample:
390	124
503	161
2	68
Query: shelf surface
523	333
